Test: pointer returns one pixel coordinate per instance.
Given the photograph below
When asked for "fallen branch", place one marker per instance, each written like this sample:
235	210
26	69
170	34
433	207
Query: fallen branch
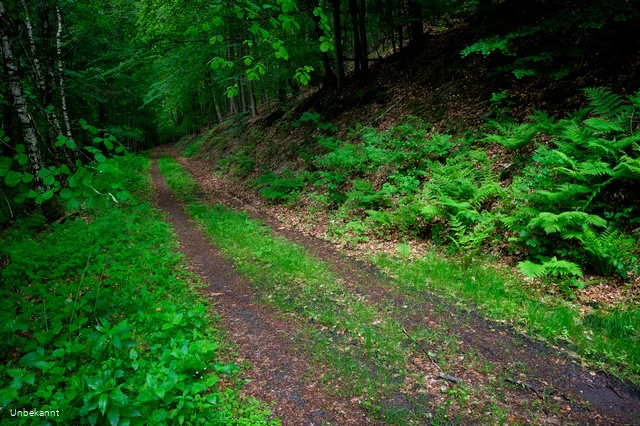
448	377
615	390
378	119
526	385
441	374
67	216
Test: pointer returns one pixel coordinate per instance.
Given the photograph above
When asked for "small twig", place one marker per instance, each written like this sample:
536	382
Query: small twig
448	377
386	112
614	389
527	386
67	216
8	204
423	350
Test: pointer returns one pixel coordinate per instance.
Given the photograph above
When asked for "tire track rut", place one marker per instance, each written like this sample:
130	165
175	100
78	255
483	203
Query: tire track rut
278	367
613	402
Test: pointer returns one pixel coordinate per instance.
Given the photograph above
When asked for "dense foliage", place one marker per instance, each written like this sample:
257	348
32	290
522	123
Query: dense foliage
100	323
560	195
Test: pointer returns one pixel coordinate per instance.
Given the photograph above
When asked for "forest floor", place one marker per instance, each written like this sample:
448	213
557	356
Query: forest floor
377	352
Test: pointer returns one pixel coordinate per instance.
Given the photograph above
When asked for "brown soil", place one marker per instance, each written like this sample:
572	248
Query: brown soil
541	371
279	373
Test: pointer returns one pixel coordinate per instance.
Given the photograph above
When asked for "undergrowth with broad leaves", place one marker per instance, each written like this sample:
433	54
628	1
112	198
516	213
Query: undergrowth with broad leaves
100	322
561	195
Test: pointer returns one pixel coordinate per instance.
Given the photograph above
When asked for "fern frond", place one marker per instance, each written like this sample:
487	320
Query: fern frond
562	267
602	125
605	103
513	136
624	143
575	134
532	270
553	267
595	168
565	192
627	168
604	146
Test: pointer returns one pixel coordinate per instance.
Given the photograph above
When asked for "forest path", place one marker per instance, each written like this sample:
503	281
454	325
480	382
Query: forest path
279	371
539	371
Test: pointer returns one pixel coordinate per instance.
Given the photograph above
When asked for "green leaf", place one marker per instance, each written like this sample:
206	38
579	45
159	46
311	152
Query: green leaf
102	403
12	178
100	158
47	195
325	46
113	414
19	148
43	173
73	204
66	193
197	388
225	368
5	165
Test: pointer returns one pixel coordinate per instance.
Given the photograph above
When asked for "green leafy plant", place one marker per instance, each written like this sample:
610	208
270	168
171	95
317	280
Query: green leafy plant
82	348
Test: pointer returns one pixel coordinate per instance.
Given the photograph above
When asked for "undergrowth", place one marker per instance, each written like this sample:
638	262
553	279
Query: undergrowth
101	325
560	195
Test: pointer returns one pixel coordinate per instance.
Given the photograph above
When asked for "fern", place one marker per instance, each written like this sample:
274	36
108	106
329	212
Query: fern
627	168
605	103
513	136
564	222
601	125
610	251
551	267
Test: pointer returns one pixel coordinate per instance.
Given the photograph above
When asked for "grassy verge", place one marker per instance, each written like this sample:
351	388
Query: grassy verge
361	347
102	325
498	191
610	339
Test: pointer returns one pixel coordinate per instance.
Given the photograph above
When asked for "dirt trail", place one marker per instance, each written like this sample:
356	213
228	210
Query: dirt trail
537	367
278	368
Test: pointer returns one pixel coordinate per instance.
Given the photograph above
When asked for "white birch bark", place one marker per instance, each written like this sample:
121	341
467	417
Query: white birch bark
19	101
37	71
65	113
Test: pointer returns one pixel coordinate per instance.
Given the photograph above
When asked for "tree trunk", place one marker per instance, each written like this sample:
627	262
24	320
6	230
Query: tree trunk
63	98
363	37
217	107
357	49
252	99
415	26
243	94
19	101
45	94
337	41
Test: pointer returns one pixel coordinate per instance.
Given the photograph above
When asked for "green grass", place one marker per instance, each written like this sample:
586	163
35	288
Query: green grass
608	338
360	347
101	322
